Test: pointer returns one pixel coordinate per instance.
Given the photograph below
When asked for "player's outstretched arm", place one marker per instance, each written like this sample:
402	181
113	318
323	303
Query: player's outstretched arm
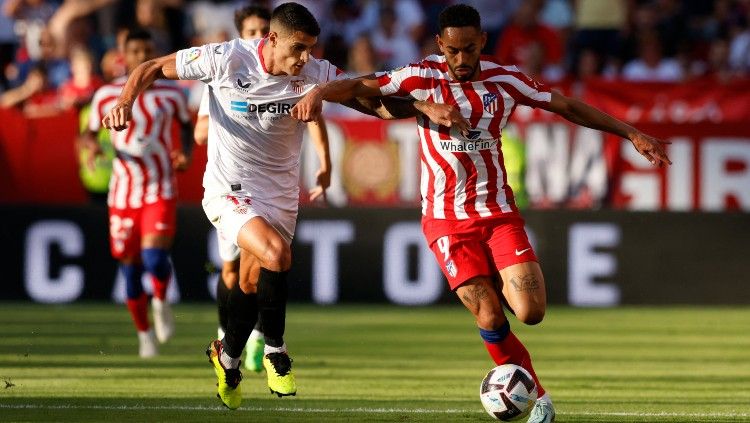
144	75
309	107
583	114
319	137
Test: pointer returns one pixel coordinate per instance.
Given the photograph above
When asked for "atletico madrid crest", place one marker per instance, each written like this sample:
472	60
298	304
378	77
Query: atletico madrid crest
490	102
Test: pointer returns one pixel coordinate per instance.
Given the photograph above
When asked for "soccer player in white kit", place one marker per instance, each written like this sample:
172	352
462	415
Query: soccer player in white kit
252	22
252	176
470	219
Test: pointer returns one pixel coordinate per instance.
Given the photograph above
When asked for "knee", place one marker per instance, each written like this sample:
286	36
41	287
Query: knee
278	257
156	262
530	314
490	318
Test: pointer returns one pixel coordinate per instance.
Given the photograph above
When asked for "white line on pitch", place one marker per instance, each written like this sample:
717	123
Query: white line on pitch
349	410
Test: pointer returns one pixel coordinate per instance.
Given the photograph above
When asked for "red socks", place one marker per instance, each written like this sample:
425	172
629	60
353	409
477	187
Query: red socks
138	308
505	348
160	287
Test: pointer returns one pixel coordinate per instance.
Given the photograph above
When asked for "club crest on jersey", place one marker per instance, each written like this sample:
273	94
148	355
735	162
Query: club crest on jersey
298	86
192	55
450	266
490	102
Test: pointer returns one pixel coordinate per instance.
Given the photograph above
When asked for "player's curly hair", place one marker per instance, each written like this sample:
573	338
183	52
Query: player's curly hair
295	17
249	11
459	15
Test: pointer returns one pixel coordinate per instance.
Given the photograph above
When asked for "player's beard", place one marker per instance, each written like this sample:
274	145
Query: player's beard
465	76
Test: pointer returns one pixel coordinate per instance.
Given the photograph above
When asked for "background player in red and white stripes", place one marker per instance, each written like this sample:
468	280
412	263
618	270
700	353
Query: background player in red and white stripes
143	189
470	218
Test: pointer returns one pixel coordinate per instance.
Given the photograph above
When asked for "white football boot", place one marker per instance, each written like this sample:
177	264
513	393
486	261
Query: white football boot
163	319
147	344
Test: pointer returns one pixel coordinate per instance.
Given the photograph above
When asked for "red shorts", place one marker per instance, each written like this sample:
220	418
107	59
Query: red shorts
128	226
477	247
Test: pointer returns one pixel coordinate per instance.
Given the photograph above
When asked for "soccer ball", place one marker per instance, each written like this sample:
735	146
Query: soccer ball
508	392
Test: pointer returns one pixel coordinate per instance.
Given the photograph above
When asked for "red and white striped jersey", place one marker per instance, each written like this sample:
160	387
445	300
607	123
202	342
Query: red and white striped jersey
463	177
142	169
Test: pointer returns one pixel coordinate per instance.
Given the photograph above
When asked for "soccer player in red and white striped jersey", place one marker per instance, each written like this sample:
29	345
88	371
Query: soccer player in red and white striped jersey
470	219
143	190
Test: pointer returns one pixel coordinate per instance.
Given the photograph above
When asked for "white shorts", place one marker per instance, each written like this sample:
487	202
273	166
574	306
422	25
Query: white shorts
228	251
229	213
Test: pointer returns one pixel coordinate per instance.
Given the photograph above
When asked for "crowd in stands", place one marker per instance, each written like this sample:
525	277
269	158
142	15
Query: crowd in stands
55	53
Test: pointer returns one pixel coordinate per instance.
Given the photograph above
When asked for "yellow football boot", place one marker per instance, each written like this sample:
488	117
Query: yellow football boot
279	370
228	379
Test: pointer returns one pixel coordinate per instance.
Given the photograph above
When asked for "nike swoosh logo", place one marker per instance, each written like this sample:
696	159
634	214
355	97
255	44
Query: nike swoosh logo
518	253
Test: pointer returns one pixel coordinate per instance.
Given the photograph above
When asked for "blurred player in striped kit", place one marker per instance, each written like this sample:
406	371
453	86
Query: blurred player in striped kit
253	22
469	216
143	190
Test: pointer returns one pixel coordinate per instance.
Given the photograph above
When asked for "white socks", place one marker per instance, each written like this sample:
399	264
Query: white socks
270	350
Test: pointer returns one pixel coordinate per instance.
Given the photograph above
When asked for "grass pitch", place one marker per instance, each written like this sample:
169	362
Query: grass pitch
378	363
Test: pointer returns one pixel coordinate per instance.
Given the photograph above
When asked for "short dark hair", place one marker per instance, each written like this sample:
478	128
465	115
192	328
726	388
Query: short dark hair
296	18
138	34
247	12
459	15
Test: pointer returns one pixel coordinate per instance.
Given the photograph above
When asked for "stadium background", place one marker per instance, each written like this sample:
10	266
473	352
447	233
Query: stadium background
607	226
646	268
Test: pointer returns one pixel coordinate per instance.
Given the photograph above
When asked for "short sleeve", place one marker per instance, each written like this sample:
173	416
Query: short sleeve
197	63
329	72
524	89
399	81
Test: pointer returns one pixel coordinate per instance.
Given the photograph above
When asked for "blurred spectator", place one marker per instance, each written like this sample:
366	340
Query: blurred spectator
57	68
8	45
67	26
344	23
362	58
650	65
530	45
166	23
30	18
35	96
393	50
80	88
408	17
598	24
496	15
212	21
113	63
739	47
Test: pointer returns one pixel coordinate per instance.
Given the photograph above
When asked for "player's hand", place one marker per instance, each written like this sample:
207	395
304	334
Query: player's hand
444	114
323	180
180	161
118	117
309	107
93	151
651	148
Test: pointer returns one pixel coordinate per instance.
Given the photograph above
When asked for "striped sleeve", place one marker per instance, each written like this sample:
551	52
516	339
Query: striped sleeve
398	81
524	89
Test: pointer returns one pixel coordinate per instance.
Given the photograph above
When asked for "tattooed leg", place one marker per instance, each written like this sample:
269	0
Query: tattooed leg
524	290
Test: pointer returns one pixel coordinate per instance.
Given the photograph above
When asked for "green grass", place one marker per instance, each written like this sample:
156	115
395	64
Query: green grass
379	363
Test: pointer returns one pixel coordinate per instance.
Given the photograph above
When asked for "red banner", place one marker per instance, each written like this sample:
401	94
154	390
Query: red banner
558	164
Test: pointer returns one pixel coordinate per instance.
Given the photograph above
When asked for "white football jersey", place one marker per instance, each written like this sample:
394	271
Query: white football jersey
255	143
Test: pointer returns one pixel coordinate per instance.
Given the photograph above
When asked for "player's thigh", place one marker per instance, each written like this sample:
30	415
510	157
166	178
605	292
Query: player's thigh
125	234
158	224
520	275
481	298
524	290
259	238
